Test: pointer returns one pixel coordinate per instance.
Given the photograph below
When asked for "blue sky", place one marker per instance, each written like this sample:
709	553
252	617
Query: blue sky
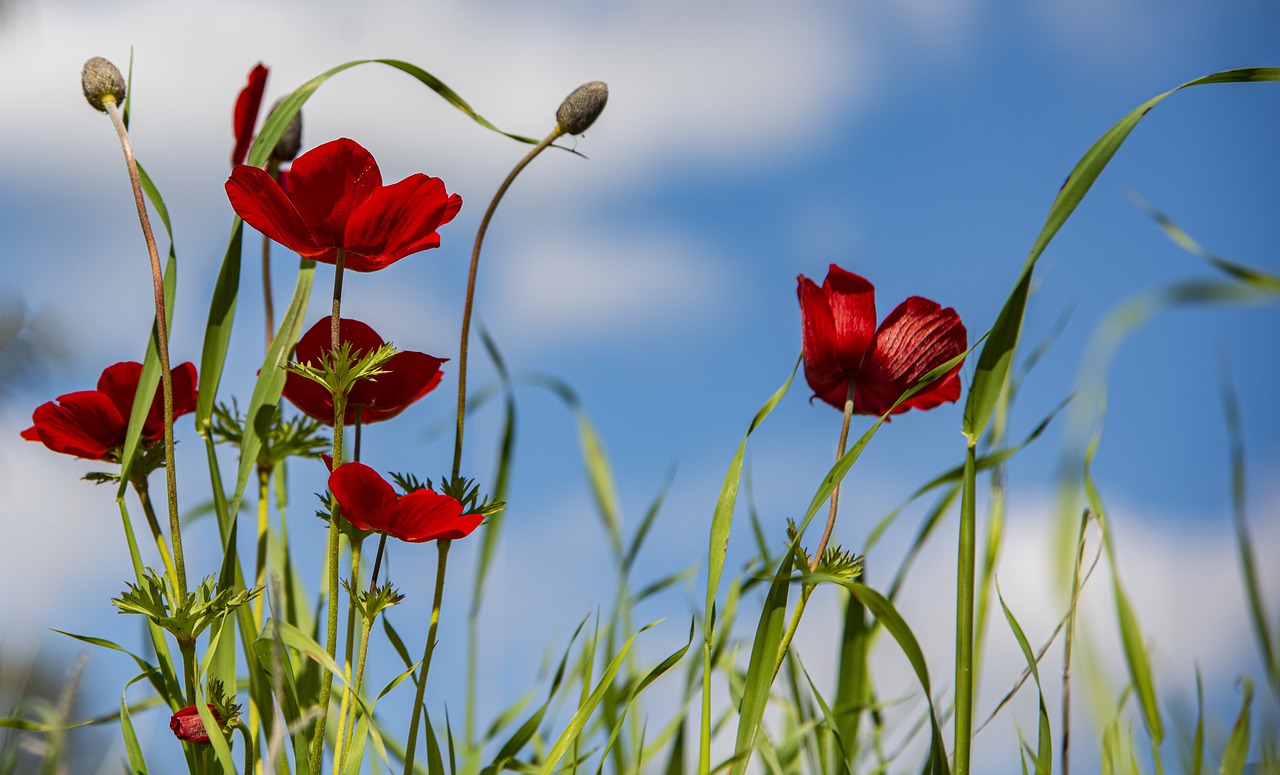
918	143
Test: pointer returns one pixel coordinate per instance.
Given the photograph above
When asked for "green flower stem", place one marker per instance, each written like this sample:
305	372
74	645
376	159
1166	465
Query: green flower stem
807	589
471	294
162	341
331	554
965	566
144	496
347	725
443	548
188	650
248	746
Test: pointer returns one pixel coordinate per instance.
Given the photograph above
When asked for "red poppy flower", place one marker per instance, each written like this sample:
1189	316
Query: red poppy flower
336	200
246	115
91	424
409	376
370	503
841	343
186	724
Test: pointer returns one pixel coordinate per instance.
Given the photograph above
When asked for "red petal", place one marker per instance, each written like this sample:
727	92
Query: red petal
186	724
399	220
917	337
311	398
184	400
428	516
853	312
85	424
119	382
367	501
410	376
246	114
328	183
258	199
822	368
316	343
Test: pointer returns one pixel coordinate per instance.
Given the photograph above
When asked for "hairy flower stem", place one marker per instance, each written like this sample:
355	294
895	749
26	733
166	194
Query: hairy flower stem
443	548
144	497
807	589
471	294
162	341
331	554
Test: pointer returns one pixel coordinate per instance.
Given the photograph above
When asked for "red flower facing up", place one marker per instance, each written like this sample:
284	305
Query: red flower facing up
370	503
408	376
91	424
246	115
841	343
186	724
336	200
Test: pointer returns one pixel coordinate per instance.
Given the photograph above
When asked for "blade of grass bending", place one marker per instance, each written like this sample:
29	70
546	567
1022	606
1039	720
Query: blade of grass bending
1248	568
573	730
1044	740
1262	281
760	667
133	750
149	379
853	680
1237	750
996	358
842	748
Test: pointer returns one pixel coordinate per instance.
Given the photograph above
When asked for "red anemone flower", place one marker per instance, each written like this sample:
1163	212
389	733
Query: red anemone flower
186	724
336	201
91	424
841	343
409	376
370	503
246	115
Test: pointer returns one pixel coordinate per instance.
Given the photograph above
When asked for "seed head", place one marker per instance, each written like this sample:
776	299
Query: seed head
582	107
102	83
290	142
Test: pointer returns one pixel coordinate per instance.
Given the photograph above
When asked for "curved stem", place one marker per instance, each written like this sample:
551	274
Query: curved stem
443	547
471	291
162	341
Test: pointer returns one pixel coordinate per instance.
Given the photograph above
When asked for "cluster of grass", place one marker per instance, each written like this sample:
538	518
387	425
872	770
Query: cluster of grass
736	697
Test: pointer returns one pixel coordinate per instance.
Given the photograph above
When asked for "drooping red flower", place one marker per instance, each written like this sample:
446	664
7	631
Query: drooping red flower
246	114
92	424
841	343
186	724
409	376
336	200
370	503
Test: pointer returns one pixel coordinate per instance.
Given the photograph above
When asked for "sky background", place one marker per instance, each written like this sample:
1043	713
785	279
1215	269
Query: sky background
918	143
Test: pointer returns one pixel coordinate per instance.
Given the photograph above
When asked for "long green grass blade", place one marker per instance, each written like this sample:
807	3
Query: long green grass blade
1044	740
996	358
1236	753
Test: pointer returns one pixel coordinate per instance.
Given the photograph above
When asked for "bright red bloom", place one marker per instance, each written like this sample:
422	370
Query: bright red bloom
841	344
91	424
246	115
336	200
409	376
370	503
186	724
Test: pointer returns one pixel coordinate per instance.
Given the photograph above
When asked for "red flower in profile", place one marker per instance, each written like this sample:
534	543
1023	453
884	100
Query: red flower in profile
91	424
409	376
186	724
370	503
841	343
246	115
336	200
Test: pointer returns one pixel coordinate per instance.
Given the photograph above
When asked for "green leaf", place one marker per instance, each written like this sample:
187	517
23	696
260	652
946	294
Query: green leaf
1237	750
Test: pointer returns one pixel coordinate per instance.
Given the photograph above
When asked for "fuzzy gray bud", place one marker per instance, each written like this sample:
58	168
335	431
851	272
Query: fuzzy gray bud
581	108
102	83
290	142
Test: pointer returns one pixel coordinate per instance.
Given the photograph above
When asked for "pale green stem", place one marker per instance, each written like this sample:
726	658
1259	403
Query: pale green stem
965	568
443	548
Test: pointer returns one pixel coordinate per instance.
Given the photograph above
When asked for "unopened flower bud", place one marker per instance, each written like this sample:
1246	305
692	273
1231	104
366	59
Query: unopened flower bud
102	83
581	108
290	142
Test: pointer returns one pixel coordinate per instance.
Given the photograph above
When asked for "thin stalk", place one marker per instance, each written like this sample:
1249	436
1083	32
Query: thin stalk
331	554
260	565
1067	646
162	341
348	652
965	568
443	548
807	589
344	739
144	496
471	293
